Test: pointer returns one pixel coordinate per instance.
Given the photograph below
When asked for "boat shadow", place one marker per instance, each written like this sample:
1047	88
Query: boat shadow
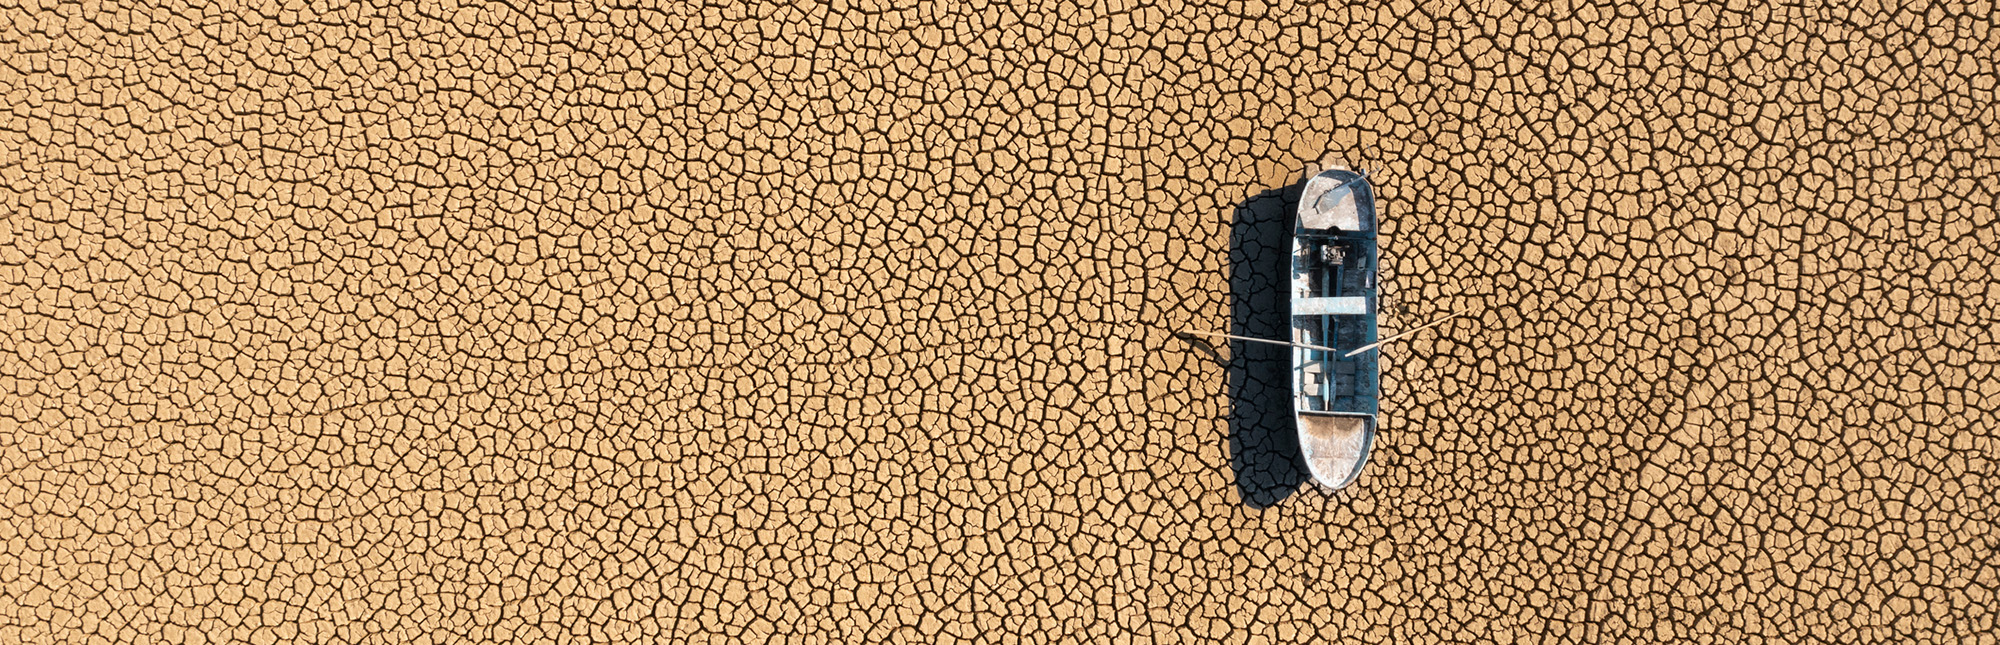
1263	441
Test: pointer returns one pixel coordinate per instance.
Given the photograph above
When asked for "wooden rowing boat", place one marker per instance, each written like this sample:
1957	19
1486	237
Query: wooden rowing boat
1333	306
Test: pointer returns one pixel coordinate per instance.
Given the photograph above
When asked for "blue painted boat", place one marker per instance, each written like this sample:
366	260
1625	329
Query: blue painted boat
1333	306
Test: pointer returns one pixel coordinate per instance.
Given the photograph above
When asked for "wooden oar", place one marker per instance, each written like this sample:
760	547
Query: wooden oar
1259	340
1379	343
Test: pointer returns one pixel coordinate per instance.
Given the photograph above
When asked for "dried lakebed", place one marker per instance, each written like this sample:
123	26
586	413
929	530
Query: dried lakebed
355	322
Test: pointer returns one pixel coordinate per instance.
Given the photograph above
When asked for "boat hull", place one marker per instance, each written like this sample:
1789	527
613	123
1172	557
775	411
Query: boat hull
1333	303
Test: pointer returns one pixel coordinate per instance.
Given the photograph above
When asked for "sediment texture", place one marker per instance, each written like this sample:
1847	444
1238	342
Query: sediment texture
506	321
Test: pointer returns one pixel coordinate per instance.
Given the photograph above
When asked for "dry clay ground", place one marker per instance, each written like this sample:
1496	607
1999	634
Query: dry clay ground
506	321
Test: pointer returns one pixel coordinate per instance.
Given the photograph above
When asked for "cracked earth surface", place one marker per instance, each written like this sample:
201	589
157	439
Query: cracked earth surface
506	321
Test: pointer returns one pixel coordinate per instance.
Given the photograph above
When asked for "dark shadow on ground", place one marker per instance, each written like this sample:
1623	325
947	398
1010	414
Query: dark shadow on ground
1263	444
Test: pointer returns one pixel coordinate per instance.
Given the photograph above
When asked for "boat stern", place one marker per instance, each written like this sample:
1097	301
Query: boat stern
1336	446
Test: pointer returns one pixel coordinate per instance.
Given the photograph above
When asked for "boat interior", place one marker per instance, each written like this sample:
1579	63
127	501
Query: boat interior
1334	297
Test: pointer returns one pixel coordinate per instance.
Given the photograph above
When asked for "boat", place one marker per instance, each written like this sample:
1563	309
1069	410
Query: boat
1333	305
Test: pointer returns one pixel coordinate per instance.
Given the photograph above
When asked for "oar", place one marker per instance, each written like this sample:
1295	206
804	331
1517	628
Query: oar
1379	343
1259	340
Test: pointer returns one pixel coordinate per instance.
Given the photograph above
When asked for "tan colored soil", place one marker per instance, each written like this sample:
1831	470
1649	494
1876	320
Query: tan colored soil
500	321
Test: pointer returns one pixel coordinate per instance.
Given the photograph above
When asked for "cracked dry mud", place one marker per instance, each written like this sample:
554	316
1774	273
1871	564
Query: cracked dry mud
486	322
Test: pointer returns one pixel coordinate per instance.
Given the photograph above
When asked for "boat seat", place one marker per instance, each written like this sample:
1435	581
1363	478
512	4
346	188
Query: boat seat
1343	306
